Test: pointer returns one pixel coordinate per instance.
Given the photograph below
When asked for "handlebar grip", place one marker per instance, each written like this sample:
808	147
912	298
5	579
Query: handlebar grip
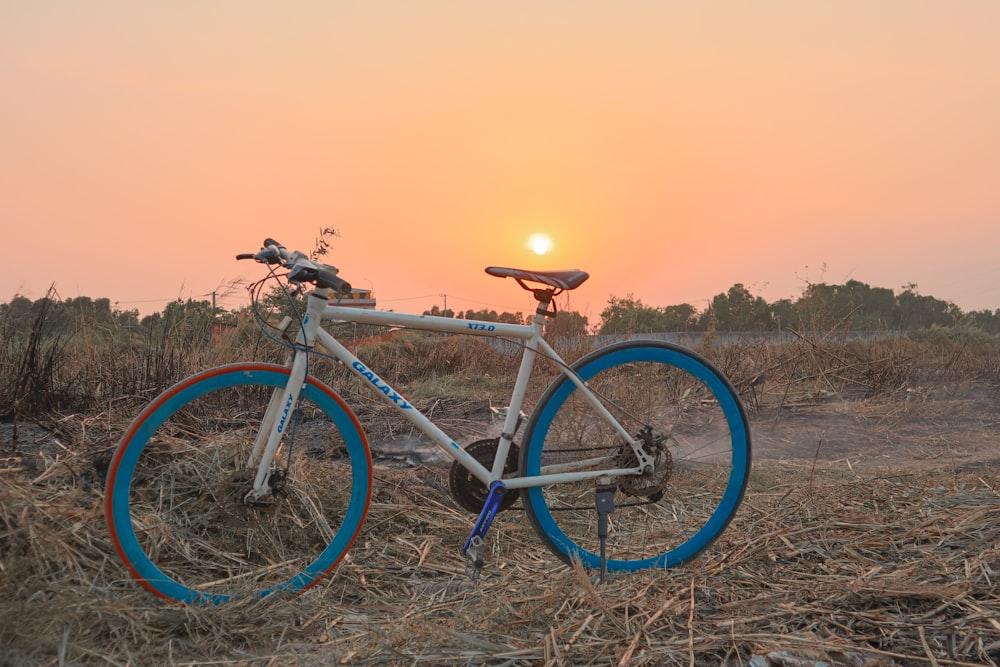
245	255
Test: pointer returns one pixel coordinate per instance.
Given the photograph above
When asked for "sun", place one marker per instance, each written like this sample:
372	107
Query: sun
540	243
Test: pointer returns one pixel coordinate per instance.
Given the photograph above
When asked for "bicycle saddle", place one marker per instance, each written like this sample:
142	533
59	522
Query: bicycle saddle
563	280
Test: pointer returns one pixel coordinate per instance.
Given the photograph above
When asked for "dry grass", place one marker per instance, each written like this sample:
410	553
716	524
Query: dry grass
822	564
827	561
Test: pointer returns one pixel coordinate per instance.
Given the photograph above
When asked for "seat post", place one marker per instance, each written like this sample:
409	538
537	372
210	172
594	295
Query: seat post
545	301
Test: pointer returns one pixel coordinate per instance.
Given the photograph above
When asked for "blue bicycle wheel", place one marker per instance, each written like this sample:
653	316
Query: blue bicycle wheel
695	430
176	484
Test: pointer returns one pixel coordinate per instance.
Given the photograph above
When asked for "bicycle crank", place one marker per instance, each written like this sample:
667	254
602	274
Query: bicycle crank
473	547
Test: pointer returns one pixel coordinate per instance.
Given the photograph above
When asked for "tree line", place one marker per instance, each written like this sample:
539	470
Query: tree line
853	305
184	321
821	307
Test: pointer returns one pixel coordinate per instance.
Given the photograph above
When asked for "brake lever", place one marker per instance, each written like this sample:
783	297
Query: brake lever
268	255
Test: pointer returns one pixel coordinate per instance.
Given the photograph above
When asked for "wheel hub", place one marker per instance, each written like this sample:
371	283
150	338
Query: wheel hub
229	500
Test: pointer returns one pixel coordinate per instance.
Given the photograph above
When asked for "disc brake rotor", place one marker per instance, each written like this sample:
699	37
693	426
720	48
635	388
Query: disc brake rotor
649	484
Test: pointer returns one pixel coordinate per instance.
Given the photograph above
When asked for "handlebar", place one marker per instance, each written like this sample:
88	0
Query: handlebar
301	268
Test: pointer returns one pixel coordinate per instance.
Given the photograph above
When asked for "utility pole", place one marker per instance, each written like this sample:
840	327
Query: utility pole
212	320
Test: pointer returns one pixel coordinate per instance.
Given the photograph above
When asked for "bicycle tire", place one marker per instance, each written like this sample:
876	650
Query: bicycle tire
699	482
175	487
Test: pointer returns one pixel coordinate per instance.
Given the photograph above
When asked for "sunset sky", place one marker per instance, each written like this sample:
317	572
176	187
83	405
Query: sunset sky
670	149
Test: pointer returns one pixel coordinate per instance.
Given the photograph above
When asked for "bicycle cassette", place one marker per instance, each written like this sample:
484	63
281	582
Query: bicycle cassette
467	490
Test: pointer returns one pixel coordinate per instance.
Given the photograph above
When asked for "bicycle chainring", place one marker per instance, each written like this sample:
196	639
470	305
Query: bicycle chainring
467	490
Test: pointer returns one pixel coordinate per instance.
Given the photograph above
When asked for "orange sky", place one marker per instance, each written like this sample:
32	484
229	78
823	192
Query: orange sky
670	149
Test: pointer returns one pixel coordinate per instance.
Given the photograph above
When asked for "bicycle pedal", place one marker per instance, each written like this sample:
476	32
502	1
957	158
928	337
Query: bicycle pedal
474	558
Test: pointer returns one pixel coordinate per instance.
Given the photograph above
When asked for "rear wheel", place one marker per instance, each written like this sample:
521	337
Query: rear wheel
694	428
177	482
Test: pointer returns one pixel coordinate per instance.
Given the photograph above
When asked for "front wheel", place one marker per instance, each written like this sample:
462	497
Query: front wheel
694	428
176	486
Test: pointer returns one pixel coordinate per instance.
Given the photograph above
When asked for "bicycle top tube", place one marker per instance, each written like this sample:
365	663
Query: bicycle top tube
429	322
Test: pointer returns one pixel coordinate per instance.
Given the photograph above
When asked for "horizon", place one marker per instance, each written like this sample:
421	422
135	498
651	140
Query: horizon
669	151
596	318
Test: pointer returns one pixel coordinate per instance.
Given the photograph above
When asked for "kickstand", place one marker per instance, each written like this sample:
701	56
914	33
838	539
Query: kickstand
605	499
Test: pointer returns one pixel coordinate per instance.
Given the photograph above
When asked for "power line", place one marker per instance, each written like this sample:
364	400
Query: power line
482	303
413	298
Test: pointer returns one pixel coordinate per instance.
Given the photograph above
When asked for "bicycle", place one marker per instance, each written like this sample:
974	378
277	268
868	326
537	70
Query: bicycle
636	456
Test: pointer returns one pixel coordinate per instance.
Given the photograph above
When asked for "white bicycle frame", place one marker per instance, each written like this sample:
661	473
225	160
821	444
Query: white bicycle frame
318	310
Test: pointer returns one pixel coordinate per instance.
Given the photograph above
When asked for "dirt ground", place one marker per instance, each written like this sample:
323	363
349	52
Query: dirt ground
947	428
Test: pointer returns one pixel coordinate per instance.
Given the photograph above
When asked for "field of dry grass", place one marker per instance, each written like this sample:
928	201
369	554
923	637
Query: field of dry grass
870	536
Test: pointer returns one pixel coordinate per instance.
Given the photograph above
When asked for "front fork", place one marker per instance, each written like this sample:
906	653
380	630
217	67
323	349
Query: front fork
278	418
283	404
